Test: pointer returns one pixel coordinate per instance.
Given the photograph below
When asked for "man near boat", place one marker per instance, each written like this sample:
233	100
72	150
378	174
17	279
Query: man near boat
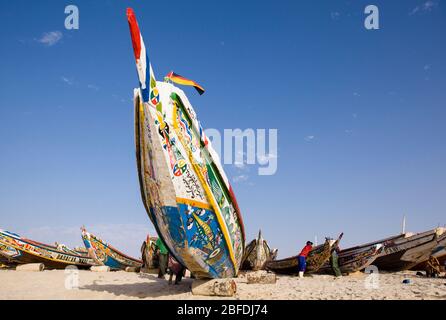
334	261
163	256
302	258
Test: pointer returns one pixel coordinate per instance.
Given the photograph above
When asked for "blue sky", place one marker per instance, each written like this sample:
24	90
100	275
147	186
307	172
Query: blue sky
360	114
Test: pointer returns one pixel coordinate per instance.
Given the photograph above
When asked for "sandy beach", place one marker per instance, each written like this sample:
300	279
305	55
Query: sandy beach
51	284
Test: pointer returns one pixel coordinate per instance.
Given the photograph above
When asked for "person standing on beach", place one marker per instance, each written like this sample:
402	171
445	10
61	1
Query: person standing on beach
302	258
334	261
163	256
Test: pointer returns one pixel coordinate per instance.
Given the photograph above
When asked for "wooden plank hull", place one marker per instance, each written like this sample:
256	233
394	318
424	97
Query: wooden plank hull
404	253
29	251
438	252
317	257
105	254
257	254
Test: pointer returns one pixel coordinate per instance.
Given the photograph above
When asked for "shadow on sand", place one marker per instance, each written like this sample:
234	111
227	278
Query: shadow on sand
153	289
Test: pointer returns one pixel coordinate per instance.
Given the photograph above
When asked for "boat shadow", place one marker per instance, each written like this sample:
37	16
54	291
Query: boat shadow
154	288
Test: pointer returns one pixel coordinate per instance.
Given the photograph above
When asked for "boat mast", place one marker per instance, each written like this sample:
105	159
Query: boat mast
403	228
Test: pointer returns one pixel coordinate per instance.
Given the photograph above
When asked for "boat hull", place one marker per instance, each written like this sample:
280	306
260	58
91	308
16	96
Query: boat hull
315	260
32	252
350	261
185	193
257	254
406	252
105	254
439	252
8	255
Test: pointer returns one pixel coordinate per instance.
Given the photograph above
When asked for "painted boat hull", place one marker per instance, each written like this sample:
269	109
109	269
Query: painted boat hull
317	257
105	254
34	252
8	255
184	189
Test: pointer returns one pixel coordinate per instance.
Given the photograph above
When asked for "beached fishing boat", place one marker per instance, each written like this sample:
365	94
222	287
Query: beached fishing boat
148	253
257	254
183	186
439	252
404	251
317	257
105	254
29	251
8	255
355	259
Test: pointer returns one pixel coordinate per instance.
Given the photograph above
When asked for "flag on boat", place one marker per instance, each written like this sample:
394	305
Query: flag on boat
174	77
147	81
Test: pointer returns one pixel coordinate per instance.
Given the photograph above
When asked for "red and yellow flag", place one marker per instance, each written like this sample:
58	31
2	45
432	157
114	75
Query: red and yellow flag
184	81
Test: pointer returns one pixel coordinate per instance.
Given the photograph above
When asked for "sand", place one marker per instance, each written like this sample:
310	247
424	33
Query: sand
51	284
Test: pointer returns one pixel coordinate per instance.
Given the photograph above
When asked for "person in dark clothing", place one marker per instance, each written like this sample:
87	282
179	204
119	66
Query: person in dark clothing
334	262
302	258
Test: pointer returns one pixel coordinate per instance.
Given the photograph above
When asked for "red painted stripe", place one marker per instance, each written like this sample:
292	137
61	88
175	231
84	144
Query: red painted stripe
134	33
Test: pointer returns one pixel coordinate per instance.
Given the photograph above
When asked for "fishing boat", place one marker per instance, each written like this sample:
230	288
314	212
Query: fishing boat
105	254
29	251
8	255
439	252
148	253
317	257
355	259
257	254
406	250
183	186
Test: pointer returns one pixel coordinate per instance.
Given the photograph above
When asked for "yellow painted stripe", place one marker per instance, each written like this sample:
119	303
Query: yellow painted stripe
207	190
194	203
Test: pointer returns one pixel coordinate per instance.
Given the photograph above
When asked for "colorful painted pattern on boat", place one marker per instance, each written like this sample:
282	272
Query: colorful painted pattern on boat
183	186
34	252
106	255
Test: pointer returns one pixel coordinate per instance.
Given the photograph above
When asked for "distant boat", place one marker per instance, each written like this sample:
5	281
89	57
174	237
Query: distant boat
257	254
439	252
404	251
29	251
317	257
184	188
355	259
105	254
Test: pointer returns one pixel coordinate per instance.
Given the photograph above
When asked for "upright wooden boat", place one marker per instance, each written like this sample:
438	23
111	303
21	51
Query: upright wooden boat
29	251
148	253
184	189
315	260
105	254
257	254
355	259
